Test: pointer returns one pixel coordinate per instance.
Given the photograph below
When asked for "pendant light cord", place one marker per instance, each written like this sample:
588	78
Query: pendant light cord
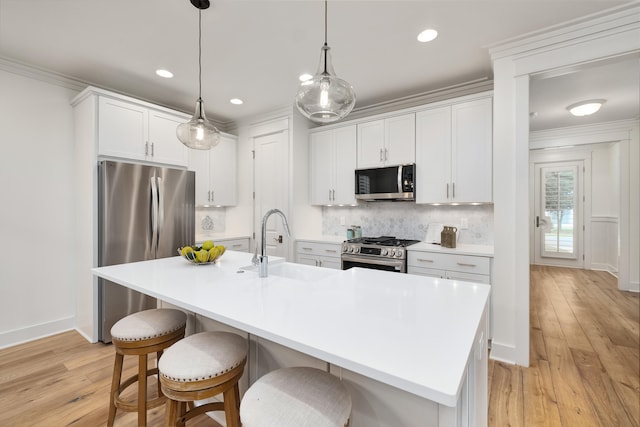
326	50
199	53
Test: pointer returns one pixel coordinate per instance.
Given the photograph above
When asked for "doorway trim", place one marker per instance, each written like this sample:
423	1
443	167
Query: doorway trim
599	36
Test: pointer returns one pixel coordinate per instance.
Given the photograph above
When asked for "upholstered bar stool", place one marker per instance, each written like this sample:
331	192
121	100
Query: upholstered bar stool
140	334
296	397
199	367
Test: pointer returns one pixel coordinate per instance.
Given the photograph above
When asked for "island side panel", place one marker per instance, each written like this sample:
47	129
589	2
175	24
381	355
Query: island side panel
376	404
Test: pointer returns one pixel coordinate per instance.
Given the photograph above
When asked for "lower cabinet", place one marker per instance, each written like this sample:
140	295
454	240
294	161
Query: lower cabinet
469	268
240	244
319	254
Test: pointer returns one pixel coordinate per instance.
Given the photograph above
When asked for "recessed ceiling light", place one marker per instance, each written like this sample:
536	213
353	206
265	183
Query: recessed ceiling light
585	108
305	77
164	73
427	35
236	101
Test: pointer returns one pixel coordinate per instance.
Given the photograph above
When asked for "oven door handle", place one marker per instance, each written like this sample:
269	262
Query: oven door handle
376	261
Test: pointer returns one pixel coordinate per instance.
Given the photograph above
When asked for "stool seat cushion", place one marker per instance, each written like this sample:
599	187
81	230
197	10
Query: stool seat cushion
148	324
203	356
296	397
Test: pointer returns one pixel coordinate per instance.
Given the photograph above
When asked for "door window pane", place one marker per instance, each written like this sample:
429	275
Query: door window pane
560	200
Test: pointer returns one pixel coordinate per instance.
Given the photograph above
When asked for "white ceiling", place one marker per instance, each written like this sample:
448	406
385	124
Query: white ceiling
255	49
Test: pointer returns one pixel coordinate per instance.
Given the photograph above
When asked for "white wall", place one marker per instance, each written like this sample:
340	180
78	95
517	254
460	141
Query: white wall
37	290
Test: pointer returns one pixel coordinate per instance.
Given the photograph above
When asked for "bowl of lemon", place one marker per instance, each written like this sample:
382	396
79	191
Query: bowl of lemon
208	253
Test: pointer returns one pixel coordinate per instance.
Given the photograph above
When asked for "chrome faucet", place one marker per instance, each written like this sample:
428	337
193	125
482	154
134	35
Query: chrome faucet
263	259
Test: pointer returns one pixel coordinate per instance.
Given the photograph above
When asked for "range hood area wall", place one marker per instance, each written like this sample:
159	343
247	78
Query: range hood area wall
408	220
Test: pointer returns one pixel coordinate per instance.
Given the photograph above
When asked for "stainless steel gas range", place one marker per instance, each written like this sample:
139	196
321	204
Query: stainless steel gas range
380	253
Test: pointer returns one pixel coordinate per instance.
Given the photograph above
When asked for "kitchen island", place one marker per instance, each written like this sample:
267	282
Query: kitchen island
412	350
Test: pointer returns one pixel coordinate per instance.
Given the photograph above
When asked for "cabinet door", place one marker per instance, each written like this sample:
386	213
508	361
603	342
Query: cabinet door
371	144
433	155
321	162
400	140
307	259
472	153
223	172
330	262
344	142
122	129
165	147
199	163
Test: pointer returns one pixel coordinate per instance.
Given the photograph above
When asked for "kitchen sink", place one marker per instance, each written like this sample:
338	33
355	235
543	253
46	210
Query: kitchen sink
290	270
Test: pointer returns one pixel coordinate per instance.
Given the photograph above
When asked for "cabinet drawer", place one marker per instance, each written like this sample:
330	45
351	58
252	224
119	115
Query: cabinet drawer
430	272
315	248
468	277
240	245
450	262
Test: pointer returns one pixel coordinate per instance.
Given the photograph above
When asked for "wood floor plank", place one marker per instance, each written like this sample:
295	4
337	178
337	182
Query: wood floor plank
507	396
573	402
540	403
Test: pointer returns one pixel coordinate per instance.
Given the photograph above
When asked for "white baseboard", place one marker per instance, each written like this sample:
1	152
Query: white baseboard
34	332
503	353
634	287
604	267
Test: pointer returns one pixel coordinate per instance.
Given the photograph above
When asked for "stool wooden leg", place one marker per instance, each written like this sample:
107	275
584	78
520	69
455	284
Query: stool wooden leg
142	390
231	405
158	354
115	384
172	413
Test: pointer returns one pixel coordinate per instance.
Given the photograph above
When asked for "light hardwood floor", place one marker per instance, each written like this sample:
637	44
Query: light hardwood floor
585	366
584	358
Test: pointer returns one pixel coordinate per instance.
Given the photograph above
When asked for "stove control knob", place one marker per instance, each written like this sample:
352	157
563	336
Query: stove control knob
399	253
356	249
383	252
393	252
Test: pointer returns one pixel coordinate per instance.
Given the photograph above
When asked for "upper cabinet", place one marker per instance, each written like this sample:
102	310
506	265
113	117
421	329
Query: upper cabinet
333	163
387	142
215	173
133	131
454	153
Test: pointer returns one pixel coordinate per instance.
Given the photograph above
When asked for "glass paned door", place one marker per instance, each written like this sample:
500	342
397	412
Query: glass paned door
559	213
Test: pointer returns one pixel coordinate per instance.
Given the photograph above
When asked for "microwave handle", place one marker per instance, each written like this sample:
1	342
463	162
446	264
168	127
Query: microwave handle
399	179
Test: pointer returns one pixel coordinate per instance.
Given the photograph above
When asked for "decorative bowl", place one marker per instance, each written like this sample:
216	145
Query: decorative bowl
199	256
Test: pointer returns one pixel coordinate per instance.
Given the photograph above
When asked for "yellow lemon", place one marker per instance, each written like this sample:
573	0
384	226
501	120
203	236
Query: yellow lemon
202	256
186	250
221	248
214	253
207	245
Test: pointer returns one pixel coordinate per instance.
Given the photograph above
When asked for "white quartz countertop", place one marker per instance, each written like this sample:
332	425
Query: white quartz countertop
411	332
460	249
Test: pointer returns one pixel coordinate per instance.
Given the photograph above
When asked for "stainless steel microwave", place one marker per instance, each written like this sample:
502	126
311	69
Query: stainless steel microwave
386	183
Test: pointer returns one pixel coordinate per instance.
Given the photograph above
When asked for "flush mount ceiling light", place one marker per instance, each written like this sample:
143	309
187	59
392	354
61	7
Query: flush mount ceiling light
236	101
199	133
427	35
585	108
164	73
325	98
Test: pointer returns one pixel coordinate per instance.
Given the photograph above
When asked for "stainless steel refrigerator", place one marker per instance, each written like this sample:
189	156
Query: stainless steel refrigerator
144	212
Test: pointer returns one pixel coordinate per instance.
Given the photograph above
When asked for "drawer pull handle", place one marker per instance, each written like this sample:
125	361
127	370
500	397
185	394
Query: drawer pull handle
425	260
333	251
465	265
236	245
307	249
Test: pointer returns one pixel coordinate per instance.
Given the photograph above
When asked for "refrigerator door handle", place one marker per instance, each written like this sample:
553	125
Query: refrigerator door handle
160	223
153	213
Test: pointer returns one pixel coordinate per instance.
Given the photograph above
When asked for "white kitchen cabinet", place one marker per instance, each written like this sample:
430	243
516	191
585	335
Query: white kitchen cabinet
134	131
468	268
333	162
319	254
240	245
215	173
387	142
454	153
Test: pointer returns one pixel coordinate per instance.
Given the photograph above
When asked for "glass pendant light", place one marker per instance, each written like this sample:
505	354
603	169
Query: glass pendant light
325	98
199	133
